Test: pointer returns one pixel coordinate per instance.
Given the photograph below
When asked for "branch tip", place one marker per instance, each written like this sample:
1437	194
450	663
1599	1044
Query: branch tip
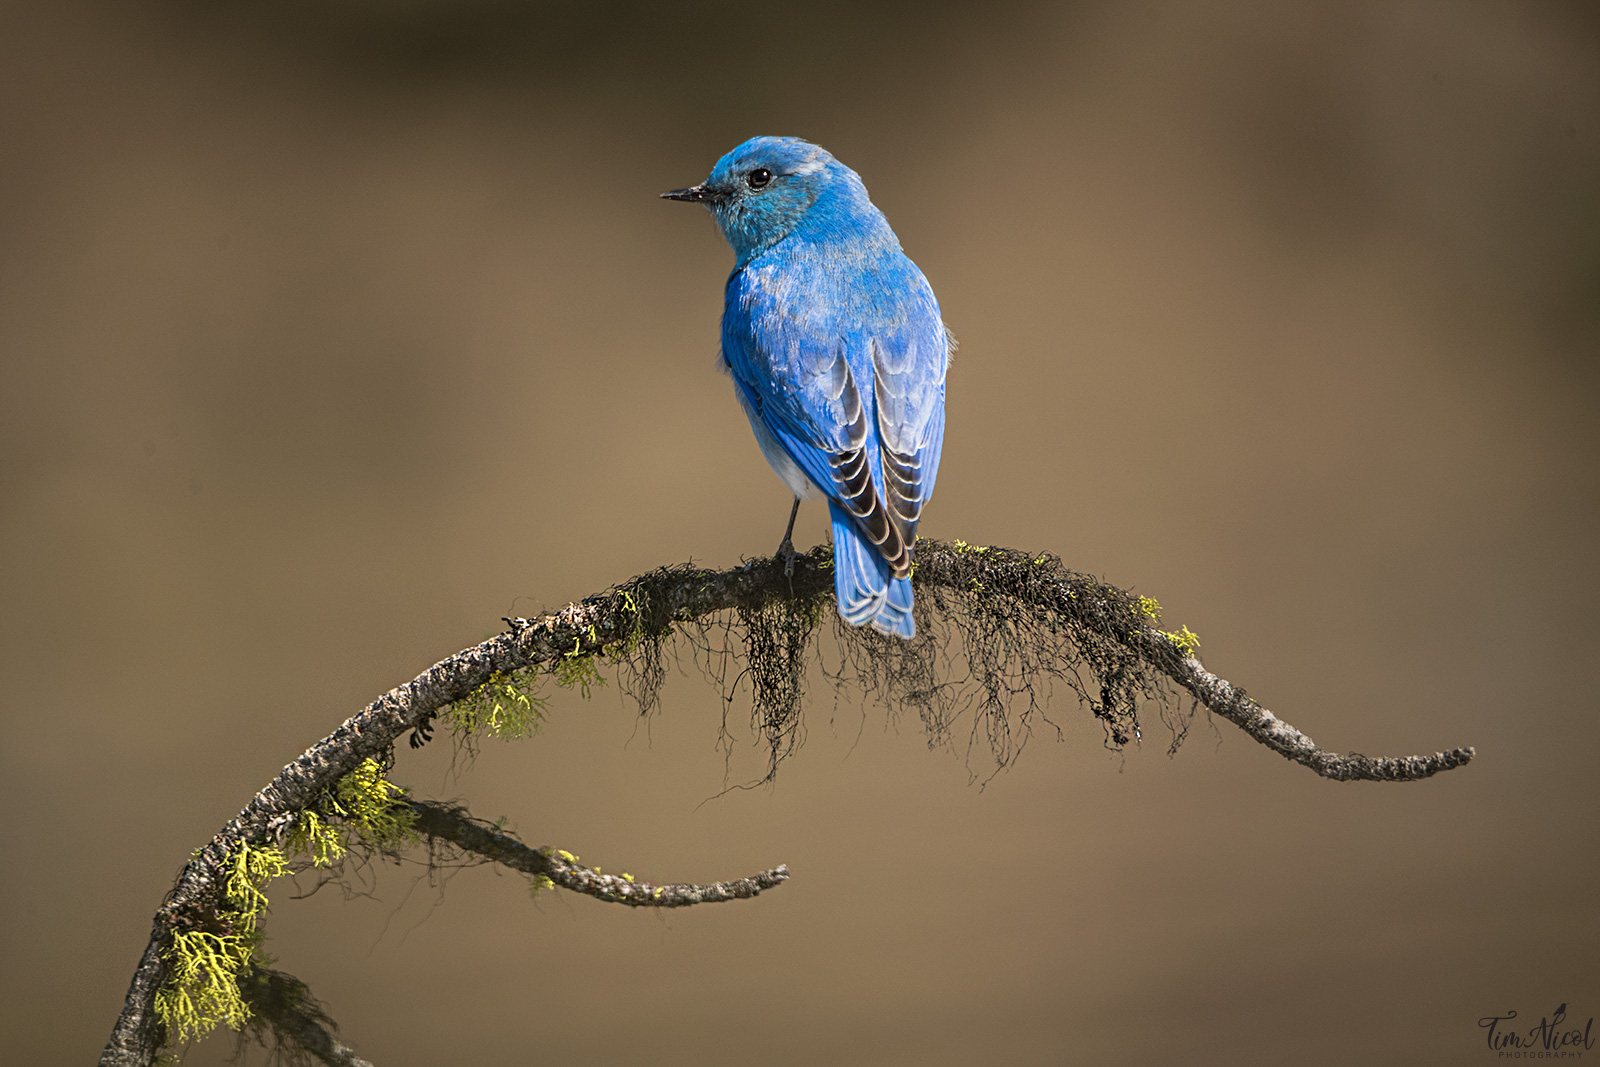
456	826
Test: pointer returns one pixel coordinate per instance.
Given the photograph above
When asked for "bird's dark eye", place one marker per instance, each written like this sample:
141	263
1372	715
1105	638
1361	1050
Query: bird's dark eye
758	178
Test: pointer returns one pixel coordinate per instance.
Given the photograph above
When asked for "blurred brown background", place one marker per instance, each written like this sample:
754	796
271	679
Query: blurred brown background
333	333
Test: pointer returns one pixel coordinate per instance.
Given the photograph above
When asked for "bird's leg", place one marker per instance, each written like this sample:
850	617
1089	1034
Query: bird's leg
786	549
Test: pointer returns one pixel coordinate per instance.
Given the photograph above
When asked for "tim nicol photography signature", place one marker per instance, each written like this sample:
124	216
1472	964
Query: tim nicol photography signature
1547	1040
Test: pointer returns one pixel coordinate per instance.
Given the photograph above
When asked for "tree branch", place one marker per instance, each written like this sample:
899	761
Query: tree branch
1111	627
455	825
285	1013
1233	704
299	1026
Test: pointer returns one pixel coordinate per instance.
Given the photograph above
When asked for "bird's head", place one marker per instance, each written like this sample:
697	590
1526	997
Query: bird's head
760	191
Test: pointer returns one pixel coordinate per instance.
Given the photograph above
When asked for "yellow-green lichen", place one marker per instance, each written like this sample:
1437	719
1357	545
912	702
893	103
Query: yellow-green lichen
625	646
313	836
202	989
1186	640
249	870
504	708
371	806
363	808
1148	607
576	669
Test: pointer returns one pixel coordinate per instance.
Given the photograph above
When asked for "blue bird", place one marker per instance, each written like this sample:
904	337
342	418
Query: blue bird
838	355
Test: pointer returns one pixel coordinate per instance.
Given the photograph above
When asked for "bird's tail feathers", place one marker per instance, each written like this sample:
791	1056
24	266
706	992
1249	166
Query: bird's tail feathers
864	583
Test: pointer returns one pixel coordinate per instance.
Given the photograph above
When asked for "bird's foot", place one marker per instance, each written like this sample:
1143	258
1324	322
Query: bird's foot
787	553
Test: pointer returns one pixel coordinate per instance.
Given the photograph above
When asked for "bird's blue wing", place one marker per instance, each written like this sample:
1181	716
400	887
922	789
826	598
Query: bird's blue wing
908	391
814	415
845	371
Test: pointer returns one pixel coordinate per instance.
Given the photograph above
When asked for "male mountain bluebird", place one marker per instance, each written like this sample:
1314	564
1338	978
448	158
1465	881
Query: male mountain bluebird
837	353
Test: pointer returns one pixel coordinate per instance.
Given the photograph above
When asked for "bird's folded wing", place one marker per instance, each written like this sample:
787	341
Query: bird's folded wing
908	389
867	448
827	429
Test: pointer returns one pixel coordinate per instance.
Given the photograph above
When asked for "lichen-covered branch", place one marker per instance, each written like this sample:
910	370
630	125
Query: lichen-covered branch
1101	611
1019	618
288	1020
557	867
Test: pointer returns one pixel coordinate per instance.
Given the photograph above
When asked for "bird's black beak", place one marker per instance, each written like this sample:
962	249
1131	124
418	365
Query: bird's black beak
695	194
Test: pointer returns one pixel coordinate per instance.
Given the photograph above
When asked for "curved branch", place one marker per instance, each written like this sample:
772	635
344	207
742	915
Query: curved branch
650	605
285	1013
297	1021
453	824
1108	611
1233	704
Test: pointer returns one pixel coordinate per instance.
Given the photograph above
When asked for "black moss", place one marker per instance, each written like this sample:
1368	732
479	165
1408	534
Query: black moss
997	631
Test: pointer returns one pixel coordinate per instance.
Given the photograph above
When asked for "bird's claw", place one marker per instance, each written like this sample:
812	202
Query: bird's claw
787	553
